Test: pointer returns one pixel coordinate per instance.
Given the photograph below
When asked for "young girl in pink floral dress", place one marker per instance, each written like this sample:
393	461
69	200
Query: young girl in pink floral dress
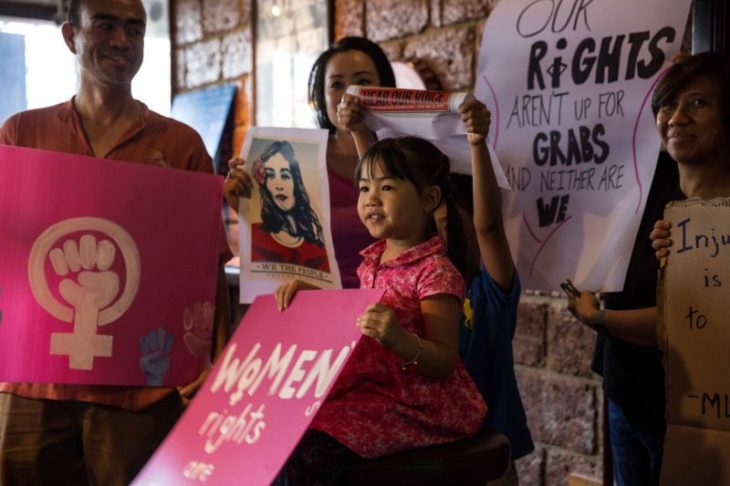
404	385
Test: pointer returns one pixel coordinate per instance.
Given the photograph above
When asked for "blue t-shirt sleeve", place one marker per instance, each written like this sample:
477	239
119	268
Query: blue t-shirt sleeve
495	306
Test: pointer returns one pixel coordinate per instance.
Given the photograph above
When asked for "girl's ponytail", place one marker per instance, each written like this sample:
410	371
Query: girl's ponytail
460	251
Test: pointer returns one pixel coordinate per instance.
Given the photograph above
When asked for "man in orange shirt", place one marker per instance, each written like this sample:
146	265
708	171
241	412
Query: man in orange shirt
50	433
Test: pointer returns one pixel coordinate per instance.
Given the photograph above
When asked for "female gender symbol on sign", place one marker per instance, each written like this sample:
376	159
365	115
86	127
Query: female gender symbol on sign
88	285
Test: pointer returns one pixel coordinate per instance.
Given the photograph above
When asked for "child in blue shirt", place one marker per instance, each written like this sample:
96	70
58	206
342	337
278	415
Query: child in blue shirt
485	341
490	310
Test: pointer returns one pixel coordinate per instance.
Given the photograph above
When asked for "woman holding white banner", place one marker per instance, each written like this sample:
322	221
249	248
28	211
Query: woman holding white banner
692	108
349	61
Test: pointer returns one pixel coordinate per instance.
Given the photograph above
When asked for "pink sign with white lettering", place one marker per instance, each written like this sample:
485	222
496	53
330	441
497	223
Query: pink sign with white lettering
263	392
107	270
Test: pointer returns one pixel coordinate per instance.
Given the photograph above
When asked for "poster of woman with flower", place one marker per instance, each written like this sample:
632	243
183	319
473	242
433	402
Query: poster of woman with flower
285	231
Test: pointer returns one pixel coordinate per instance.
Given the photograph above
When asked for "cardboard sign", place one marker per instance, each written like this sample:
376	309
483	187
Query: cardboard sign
569	85
695	336
107	270
263	392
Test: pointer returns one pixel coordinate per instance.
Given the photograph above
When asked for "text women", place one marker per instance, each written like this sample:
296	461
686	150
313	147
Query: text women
285	381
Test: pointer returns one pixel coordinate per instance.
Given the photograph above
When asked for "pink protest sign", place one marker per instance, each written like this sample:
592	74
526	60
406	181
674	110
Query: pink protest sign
263	392
107	270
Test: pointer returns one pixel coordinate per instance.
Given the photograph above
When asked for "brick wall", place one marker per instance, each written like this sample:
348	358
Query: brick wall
212	45
562	397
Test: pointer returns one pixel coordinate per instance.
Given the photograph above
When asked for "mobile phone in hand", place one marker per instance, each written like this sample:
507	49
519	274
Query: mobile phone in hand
570	289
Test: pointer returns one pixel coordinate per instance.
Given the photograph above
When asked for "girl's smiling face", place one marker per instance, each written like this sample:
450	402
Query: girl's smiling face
279	182
392	208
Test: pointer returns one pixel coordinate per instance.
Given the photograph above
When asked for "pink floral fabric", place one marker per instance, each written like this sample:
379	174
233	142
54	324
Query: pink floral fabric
376	407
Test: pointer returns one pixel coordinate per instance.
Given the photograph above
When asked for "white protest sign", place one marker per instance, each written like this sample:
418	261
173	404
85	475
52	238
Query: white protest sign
430	114
433	115
285	224
569	85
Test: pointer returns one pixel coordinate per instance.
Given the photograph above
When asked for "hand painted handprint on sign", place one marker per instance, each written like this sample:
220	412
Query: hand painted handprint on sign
88	285
198	324
155	361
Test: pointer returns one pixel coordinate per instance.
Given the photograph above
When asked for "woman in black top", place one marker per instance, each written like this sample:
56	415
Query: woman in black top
692	108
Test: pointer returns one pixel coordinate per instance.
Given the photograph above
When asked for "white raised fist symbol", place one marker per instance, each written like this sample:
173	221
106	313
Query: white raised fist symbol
96	286
87	283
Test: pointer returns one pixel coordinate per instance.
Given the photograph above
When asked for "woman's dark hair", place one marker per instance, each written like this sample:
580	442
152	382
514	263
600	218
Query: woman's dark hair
273	218
317	81
686	70
420	162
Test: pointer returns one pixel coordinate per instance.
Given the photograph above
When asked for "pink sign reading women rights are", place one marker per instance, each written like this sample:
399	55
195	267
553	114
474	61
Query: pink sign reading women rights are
263	392
107	270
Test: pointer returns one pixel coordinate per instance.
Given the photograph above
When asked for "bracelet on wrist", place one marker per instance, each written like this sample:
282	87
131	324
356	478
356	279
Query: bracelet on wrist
414	361
599	323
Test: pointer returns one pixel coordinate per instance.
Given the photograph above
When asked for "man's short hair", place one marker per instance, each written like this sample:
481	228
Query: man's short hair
73	12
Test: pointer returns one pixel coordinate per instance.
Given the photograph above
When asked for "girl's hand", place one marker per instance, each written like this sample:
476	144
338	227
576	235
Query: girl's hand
585	308
349	114
285	293
476	118
188	391
237	184
660	239
379	322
